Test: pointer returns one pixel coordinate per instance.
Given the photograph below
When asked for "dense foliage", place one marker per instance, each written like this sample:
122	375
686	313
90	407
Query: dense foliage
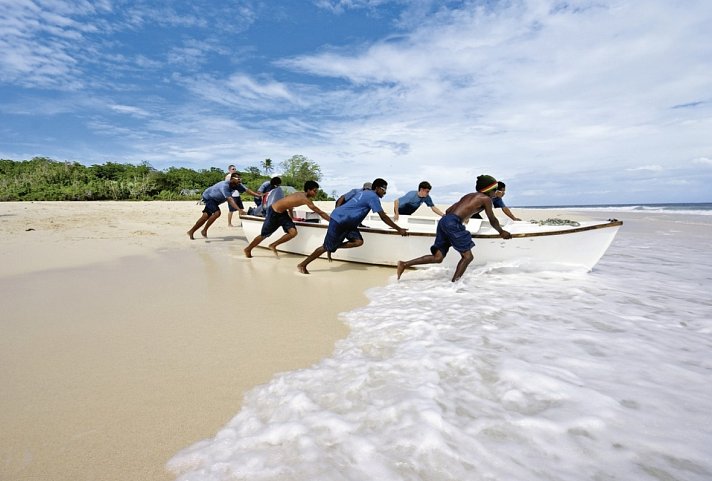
46	179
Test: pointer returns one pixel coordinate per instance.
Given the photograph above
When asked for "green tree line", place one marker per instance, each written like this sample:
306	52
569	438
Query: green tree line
42	178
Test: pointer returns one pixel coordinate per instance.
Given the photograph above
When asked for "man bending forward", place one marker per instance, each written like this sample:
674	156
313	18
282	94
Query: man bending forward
451	230
279	214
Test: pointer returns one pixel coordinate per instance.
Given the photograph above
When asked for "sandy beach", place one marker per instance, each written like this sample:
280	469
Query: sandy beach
122	341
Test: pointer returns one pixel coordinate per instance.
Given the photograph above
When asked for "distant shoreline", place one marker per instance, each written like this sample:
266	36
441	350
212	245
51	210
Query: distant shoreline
703	205
641	205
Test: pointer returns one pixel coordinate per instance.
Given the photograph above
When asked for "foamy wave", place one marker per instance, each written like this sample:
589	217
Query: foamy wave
648	209
511	373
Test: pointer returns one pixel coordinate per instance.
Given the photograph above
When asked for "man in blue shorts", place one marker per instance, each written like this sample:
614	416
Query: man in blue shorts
343	228
410	202
212	198
451	231
236	195
279	214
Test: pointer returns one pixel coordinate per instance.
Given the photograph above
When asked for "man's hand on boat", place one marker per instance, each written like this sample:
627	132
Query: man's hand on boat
505	234
389	222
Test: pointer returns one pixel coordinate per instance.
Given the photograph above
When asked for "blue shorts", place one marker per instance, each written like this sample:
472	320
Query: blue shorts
406	209
274	220
239	203
337	233
211	206
451	232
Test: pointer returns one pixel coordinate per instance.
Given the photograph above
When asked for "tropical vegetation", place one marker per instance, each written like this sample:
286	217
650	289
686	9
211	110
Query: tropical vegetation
42	178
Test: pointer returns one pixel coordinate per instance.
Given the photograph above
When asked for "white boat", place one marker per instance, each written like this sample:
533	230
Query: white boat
579	245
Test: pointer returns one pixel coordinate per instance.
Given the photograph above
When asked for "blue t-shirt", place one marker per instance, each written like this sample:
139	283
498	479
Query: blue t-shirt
240	189
410	202
263	189
218	192
350	194
356	210
274	196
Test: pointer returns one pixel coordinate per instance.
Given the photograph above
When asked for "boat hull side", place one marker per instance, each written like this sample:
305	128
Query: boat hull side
582	247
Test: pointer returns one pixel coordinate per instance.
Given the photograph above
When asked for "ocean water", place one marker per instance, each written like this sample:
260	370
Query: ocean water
699	208
513	373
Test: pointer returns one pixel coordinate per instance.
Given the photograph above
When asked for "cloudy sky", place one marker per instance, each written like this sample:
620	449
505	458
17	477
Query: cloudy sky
569	102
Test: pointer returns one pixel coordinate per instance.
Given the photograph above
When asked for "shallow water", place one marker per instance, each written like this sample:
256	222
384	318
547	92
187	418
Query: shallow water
514	373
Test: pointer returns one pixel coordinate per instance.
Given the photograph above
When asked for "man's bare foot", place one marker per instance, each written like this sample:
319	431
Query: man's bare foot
248	252
400	269
190	234
302	269
230	225
204	233
273	248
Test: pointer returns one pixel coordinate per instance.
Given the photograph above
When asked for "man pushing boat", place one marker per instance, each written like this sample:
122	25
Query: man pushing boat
343	227
451	230
279	214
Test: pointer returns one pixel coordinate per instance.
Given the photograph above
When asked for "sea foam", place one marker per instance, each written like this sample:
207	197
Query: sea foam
513	373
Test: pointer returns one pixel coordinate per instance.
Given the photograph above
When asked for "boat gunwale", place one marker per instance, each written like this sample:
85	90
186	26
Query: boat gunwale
610	223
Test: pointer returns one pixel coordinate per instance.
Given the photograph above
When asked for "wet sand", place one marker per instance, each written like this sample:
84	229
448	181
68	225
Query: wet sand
122	341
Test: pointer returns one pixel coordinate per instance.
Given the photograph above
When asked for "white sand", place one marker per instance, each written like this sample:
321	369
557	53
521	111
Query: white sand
122	341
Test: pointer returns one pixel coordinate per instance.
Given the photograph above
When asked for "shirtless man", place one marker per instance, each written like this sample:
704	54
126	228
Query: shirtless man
280	214
451	230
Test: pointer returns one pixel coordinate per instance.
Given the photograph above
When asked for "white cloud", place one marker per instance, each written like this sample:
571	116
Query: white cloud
553	97
702	161
129	110
647	168
530	87
251	88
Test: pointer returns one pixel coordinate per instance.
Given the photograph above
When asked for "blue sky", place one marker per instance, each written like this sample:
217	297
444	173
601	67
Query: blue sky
579	102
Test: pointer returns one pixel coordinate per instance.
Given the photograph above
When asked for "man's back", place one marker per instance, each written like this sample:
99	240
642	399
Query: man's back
291	201
354	211
351	194
469	204
265	188
218	191
275	195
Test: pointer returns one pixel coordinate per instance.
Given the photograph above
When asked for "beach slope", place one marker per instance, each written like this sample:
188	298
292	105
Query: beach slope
122	341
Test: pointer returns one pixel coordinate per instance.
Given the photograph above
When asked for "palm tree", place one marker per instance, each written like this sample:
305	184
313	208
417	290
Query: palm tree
267	166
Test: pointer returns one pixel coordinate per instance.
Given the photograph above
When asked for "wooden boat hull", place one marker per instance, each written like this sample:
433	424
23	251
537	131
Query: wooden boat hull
577	246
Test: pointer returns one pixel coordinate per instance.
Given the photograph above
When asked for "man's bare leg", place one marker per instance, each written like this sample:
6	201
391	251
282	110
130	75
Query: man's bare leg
248	250
203	219
302	266
351	244
436	258
462	265
291	234
210	222
399	270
